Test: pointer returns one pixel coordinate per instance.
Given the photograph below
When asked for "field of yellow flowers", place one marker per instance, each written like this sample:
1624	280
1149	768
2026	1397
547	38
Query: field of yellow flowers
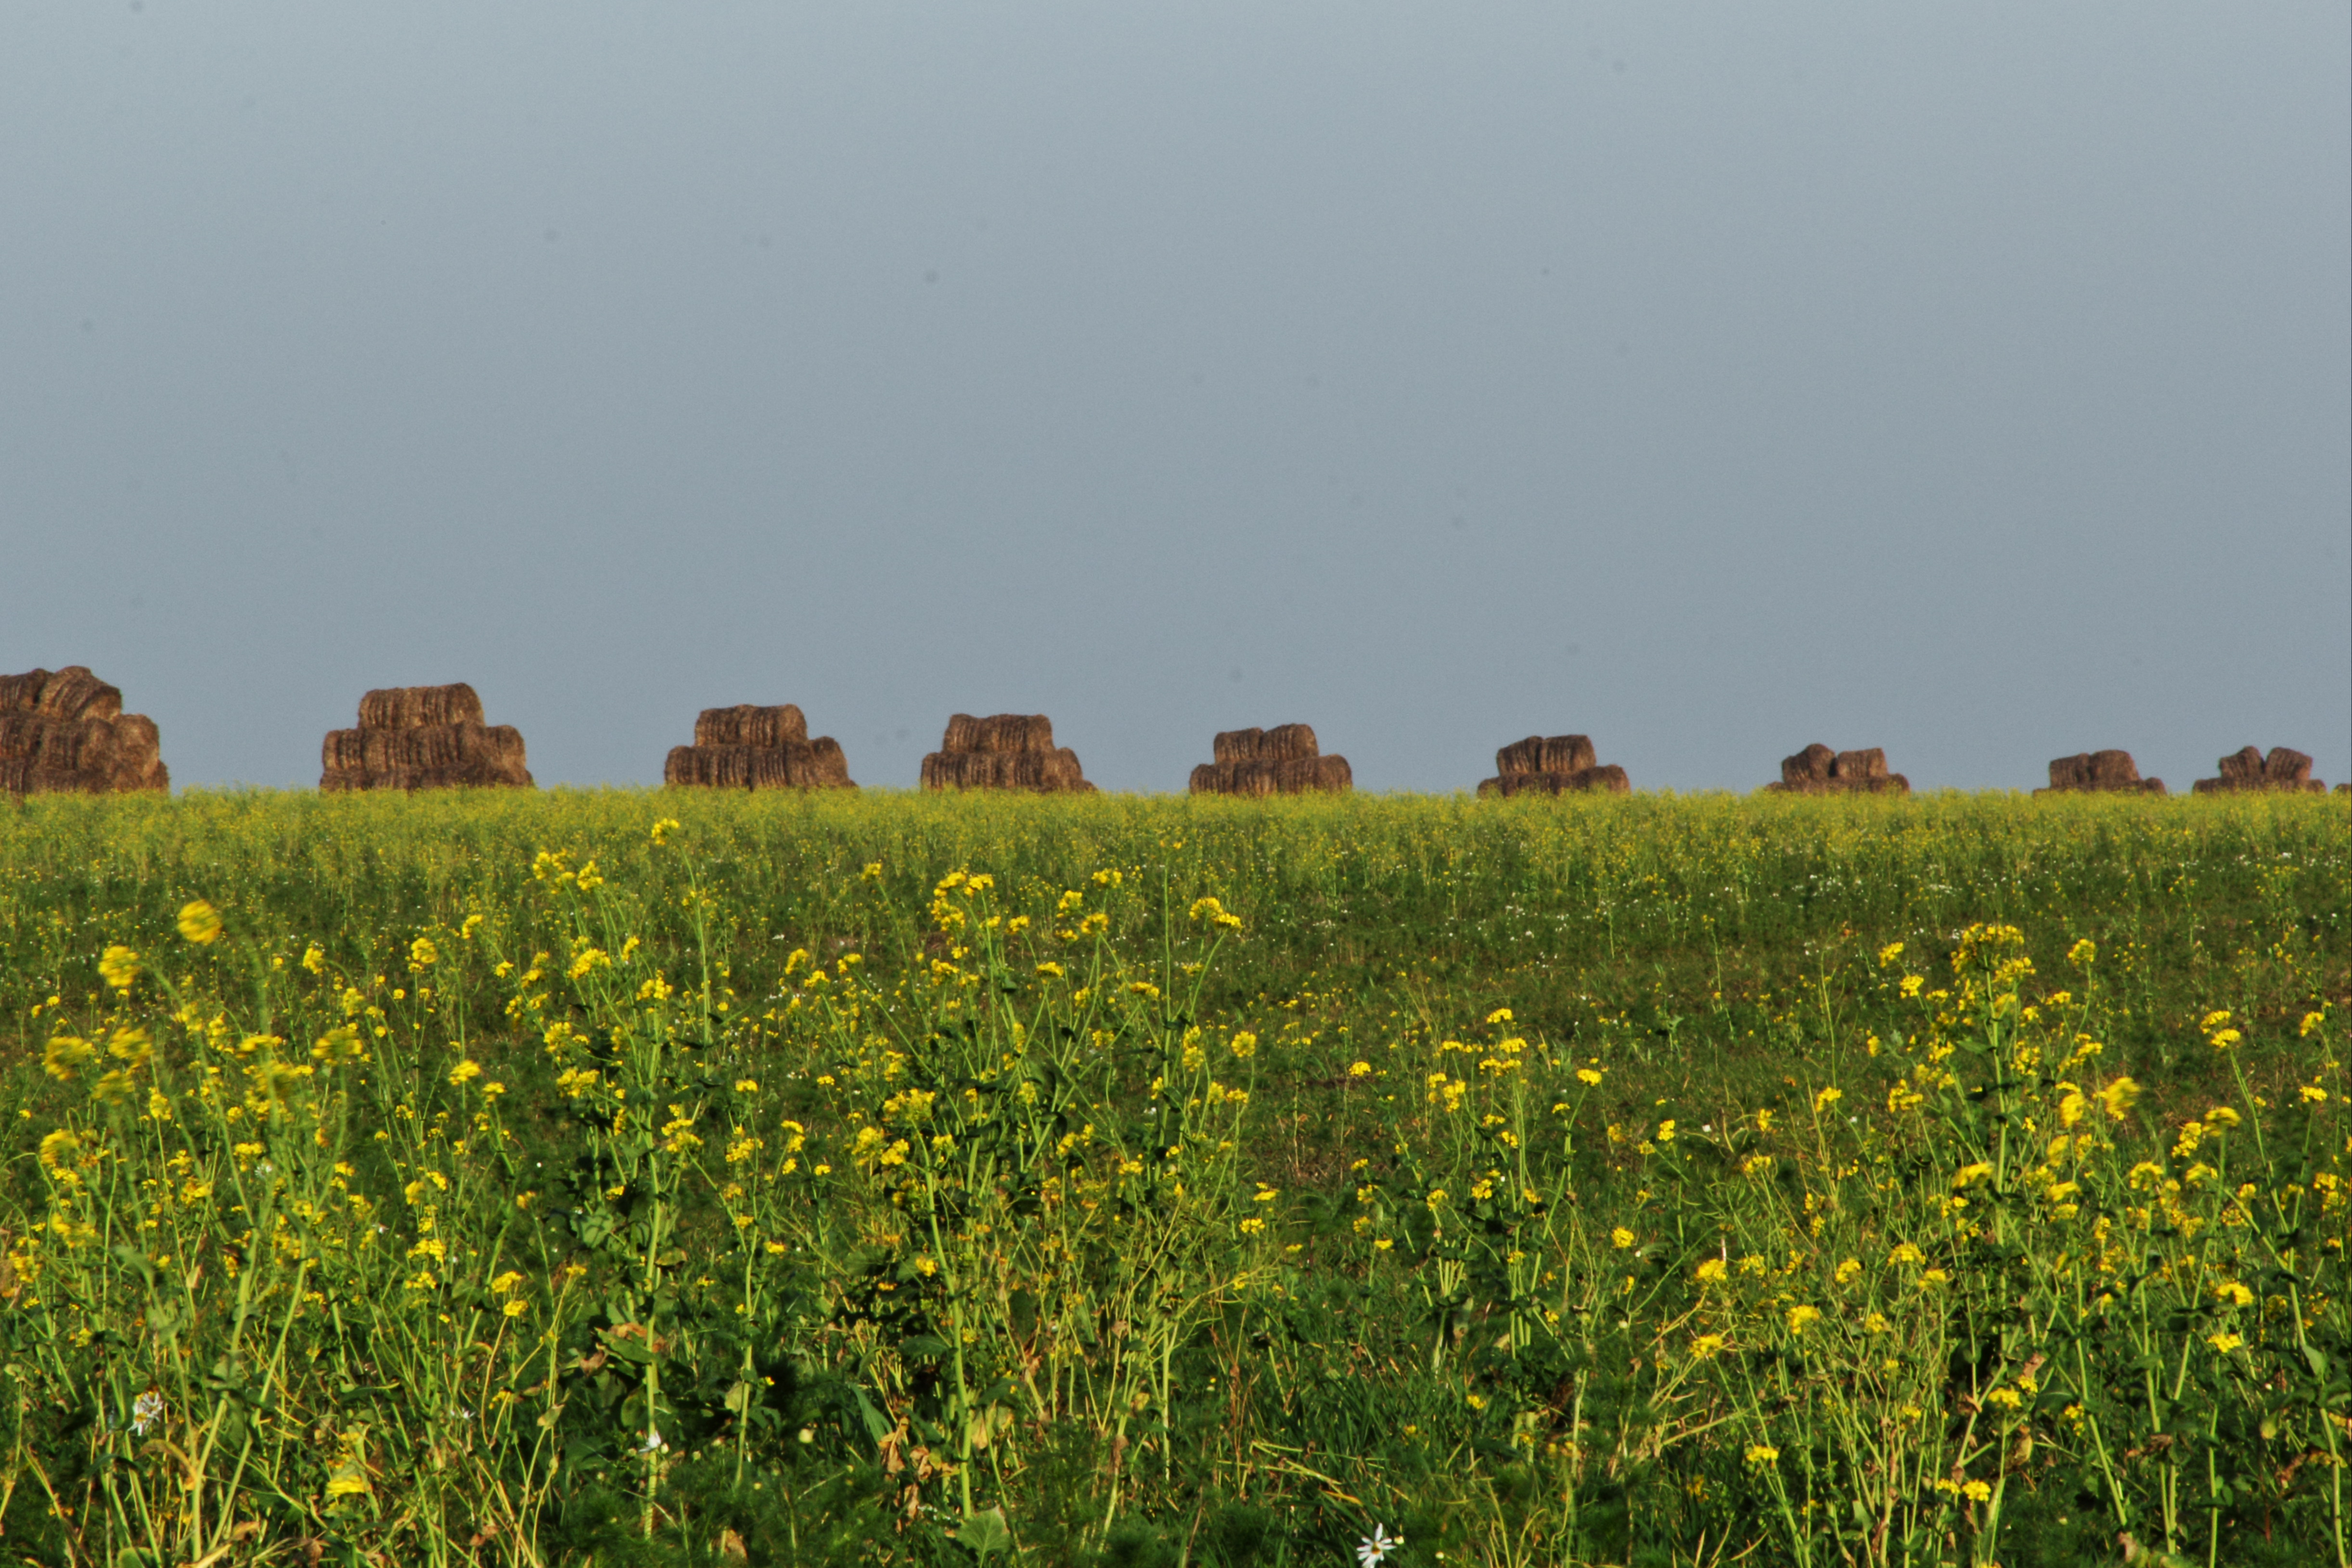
662	1177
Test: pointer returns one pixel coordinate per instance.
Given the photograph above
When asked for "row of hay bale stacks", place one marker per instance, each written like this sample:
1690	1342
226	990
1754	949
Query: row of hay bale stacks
2099	773
752	747
1817	770
2247	771
422	737
1284	759
1554	765
64	731
1004	751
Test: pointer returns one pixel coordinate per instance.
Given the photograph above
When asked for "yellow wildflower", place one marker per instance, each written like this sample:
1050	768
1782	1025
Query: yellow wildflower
119	967
200	922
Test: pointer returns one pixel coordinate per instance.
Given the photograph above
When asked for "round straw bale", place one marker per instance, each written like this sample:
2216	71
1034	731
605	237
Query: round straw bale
1016	732
717	767
1870	763
1520	757
2286	767
1291	743
22	693
407	706
2113	769
21	734
16	775
1568	753
799	766
79	746
1808	766
137	741
2243	766
1237	745
826	753
746	724
999	733
2070	773
74	692
139	776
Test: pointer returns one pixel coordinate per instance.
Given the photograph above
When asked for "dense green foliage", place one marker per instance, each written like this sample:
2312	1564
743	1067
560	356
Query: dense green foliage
946	1180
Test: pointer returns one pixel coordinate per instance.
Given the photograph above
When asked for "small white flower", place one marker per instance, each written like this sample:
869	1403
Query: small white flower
652	1443
145	1411
1375	1548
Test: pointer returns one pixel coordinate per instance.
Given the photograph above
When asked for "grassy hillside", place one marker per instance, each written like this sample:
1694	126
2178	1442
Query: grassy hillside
894	1178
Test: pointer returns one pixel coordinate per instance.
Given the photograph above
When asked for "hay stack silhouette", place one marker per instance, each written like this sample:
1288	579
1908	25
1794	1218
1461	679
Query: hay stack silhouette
1284	759
1005	751
423	737
2247	772
751	747
1554	765
64	733
1817	770
2101	773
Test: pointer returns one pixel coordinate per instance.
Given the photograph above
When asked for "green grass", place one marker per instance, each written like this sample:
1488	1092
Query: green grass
1391	1205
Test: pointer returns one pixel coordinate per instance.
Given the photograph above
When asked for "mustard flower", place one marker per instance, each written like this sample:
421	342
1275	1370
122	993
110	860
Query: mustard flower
119	967
200	922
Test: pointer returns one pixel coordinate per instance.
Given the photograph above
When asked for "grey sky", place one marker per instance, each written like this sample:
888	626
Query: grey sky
1974	381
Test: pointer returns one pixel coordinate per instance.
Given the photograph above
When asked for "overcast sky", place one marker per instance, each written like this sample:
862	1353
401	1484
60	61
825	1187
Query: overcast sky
1973	381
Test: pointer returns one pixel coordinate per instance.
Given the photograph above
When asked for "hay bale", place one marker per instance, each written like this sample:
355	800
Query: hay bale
711	767
1603	779
817	764
21	734
490	754
746	724
1262	776
2113	769
1282	743
2248	771
1237	745
150	775
2070	773
84	747
2285	768
1810	765
16	775
1313	775
1870	763
2243	767
1546	754
1042	771
74	692
138	756
999	733
423	737
408	706
1232	778
22	693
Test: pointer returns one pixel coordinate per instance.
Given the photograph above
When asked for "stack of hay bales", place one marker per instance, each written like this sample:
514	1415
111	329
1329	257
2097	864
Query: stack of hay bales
423	737
2247	772
1553	764
1284	759
1005	751
64	731
751	747
1817	770
2101	772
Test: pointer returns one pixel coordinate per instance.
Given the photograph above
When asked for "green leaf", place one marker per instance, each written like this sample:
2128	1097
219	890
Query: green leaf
985	1532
